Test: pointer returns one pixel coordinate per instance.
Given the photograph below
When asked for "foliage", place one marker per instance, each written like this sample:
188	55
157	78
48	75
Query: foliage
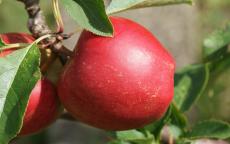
216	43
190	82
90	14
21	65
120	5
209	129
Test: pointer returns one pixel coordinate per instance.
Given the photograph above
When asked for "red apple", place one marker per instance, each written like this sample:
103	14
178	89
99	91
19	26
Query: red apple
10	38
43	107
118	83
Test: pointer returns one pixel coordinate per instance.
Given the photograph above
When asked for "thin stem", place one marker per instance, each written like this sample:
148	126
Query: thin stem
13	46
23	45
171	139
57	15
43	37
51	57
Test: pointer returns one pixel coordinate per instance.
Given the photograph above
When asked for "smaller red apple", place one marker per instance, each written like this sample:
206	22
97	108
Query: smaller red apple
43	107
10	38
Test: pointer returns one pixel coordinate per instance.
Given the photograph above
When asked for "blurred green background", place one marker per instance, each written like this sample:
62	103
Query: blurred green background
180	28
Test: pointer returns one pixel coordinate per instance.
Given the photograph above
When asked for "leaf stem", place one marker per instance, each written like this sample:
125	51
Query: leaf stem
42	38
15	45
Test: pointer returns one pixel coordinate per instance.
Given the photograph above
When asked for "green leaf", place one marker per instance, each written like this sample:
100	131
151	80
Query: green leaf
177	118
118	142
130	135
209	129
19	73
180	141
220	65
135	136
1	41
172	117
216	44
90	14
122	5
156	127
190	82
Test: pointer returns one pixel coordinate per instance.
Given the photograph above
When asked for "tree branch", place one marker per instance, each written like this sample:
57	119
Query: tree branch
38	27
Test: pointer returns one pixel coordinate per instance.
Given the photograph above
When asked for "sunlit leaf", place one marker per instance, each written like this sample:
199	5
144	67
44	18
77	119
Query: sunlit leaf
122	5
209	129
177	117
19	73
118	142
89	14
190	82
2	42
134	136
156	127
216	44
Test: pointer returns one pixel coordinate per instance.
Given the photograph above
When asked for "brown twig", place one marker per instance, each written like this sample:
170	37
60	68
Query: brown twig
38	27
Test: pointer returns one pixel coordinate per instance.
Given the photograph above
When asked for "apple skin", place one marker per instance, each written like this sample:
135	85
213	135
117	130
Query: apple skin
10	38
118	83
43	106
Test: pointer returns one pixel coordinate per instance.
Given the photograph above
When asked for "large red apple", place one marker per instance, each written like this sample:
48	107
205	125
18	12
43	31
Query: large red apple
118	83
43	107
